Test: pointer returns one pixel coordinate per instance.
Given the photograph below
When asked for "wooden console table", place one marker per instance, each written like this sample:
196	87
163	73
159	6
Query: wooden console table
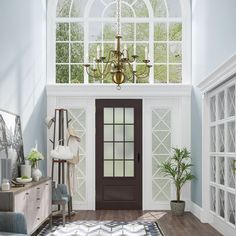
34	201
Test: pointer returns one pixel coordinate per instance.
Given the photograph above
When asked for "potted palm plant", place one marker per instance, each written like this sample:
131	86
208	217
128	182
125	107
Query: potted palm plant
178	168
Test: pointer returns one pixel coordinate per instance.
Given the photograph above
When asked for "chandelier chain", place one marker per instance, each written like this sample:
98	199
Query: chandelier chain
118	13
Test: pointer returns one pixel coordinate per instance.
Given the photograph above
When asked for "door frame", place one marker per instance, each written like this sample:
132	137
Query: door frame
138	171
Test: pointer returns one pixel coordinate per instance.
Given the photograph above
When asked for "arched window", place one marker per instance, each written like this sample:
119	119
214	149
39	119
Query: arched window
81	25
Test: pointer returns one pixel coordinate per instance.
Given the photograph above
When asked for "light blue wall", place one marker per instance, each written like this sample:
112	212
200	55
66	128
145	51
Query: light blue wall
213	42
23	67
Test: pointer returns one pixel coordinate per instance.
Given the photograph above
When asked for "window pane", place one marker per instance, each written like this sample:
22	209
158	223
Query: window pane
119	150
108	150
175	32
129	168
77	74
175	54
119	115
174	8
96	9
77	52
140	69
160	73
95	31
77	32
127	32
140	51
62	73
142	32
78	8
108	79
62	52
129	132
119	168
159	8
221	105
160	52
126	11
63	8
108	132
107	48
231	101
129	115
108	115
140	9
175	73
110	11
119	133
62	32
129	151
108	168
160	32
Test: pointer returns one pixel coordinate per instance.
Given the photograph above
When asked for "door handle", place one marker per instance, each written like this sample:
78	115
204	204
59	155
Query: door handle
139	157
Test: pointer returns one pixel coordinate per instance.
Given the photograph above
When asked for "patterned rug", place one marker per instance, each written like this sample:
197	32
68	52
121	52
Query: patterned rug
104	228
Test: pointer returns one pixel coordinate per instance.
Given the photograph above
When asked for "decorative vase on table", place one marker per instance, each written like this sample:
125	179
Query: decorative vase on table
36	172
34	157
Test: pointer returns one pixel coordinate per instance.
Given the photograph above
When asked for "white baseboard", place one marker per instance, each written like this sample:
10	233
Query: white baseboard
196	210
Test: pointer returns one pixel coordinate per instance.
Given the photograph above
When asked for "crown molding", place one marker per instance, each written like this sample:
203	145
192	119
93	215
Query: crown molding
224	72
127	90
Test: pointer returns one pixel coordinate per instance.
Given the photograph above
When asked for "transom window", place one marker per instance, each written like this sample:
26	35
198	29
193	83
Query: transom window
82	25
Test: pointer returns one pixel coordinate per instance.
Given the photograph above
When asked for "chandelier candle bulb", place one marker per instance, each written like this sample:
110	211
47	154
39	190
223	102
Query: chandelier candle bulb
98	52
134	66
134	49
146	53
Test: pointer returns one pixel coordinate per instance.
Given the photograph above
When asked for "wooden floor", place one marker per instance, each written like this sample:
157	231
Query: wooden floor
187	225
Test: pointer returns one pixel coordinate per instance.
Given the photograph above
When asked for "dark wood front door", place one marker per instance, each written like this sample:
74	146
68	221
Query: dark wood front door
118	154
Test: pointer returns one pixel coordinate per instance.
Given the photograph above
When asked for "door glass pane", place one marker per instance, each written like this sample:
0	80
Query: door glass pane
119	169
231	208
119	133
221	169
213	108
221	138
129	133
129	115
231	101
213	169
129	168
108	132
213	139
221	105
129	151
119	150
108	150
213	198
221	203
108	115
231	136
119	116
108	168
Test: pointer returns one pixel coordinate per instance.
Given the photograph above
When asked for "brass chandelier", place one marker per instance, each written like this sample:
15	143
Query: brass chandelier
119	63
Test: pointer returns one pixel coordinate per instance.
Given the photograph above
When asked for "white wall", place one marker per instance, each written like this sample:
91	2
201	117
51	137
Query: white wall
23	66
213	41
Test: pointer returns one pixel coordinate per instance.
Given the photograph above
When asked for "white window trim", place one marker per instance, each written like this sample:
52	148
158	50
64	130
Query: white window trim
186	40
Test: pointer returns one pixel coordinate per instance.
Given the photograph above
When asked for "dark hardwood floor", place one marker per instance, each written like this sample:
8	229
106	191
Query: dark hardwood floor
187	225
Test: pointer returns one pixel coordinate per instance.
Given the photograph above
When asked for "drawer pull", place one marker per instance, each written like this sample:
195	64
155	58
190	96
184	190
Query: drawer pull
26	193
38	207
38	198
47	184
38	188
38	218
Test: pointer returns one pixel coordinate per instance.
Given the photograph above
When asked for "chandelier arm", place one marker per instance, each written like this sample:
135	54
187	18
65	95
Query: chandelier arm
93	74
